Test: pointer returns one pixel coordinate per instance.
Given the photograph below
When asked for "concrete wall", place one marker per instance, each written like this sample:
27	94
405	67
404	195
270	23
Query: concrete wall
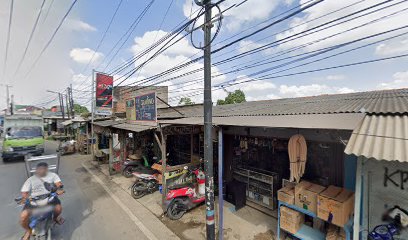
121	94
385	185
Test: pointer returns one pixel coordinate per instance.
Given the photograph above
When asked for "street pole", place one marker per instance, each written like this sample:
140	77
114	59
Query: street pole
208	146
67	102
7	97
92	110
71	101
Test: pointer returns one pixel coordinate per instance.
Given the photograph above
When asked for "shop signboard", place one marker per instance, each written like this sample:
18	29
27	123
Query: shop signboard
104	89
146	108
130	110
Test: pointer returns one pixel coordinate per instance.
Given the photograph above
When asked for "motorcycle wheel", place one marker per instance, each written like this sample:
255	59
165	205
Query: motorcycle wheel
138	190
173	211
128	172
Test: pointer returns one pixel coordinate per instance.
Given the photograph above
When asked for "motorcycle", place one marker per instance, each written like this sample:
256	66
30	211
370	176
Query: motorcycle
185	196
398	219
144	184
129	167
42	215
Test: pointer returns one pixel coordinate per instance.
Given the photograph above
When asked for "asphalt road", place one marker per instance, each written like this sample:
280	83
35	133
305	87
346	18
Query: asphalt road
89	211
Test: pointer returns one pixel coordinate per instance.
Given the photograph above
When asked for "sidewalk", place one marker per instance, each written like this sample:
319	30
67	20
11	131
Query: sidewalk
247	223
147	222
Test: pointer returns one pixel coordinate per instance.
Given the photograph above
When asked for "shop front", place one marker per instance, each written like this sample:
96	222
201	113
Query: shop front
381	145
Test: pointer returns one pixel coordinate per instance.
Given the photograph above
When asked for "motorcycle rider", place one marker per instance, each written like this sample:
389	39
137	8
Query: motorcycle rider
35	186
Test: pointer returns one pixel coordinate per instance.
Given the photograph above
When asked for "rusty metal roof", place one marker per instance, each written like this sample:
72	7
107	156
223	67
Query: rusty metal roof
381	137
344	121
376	102
135	127
373	102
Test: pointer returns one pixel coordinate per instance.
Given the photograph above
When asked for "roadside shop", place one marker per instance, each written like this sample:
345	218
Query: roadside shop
381	144
256	163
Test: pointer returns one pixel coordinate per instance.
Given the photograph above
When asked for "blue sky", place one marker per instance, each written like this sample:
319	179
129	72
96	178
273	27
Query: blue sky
65	60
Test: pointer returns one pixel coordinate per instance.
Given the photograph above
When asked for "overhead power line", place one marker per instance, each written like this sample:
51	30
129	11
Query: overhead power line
103	35
30	37
52	37
8	36
277	42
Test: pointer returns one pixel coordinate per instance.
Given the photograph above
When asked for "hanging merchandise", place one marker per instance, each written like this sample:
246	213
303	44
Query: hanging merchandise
297	150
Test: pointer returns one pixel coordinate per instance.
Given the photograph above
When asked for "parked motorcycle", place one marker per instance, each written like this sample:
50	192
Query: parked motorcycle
144	184
183	197
130	166
398	219
42	215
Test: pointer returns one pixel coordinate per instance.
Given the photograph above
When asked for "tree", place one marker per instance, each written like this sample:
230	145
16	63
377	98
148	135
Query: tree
237	96
185	101
80	110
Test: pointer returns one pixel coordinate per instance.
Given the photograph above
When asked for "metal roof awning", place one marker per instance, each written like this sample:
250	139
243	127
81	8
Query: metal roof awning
135	127
66	123
381	137
344	121
108	123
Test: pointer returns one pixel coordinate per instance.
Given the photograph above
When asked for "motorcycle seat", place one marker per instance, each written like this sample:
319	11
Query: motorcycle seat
182	185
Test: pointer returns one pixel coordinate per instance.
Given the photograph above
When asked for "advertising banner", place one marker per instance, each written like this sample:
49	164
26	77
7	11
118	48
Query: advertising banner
146	108
104	89
130	110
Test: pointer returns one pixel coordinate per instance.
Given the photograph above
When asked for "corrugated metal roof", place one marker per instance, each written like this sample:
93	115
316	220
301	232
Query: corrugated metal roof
375	102
381	137
345	121
108	123
135	127
378	102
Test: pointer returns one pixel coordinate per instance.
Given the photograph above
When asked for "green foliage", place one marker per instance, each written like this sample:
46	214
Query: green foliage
185	101
237	96
80	110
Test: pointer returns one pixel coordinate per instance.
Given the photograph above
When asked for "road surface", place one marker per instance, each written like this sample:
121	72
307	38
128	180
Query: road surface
89	211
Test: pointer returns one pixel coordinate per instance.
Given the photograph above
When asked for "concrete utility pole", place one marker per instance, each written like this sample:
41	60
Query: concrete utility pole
92	115
208	144
7	97
61	102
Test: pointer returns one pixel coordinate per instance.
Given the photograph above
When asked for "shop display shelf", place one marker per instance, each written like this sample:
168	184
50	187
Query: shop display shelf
306	232
251	177
260	203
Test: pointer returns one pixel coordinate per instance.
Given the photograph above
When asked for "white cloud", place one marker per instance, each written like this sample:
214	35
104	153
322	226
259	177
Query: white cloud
79	25
84	55
52	72
325	7
249	11
400	81
310	90
391	48
180	52
336	77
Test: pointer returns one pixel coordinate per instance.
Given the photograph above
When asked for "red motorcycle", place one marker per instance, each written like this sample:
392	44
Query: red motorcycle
183	197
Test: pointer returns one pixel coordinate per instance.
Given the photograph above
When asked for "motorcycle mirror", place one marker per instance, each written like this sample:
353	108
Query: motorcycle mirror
18	199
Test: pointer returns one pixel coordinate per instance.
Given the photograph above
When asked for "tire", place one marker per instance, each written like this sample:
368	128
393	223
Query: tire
173	212
128	172
138	190
6	160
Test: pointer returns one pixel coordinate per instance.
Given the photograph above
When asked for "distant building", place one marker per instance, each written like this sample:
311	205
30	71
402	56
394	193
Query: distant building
123	93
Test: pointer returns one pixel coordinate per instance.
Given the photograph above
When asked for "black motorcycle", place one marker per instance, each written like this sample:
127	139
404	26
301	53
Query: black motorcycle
144	184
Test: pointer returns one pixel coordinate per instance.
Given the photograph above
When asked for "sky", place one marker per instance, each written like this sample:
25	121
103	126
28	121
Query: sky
67	60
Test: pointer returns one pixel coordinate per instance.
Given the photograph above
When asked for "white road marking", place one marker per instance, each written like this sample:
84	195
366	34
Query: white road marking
135	220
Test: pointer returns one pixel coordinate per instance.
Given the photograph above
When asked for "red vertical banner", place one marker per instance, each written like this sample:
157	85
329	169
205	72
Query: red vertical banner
104	90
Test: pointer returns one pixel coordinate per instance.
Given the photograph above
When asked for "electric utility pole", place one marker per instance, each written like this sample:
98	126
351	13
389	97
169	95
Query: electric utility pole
61	102
71	100
208	144
8	111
